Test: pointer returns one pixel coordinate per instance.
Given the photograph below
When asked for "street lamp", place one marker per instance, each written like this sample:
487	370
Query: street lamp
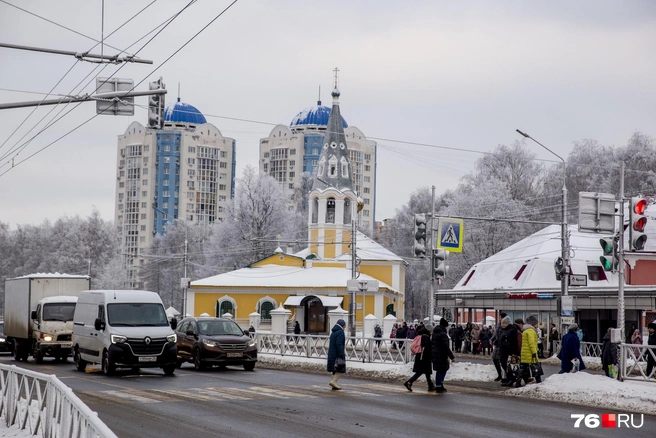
564	279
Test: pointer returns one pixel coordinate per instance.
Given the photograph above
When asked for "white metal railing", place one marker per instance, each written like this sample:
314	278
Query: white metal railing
382	350
633	362
42	405
589	349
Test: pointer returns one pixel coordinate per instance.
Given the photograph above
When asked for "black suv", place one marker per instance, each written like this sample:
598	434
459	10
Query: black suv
214	341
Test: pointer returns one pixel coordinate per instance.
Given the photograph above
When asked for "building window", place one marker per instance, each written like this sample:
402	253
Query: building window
192	150
222	198
222	186
165	204
292	174
367	156
223	154
265	308
121	185
367	168
191	172
145	172
190	195
191	161
266	155
223	165
166	183
292	163
330	211
223	176
142	239
365	212
144	205
292	152
143	215
144	182
146	148
143	228
347	211
144	193
167	159
315	210
366	190
367	179
315	151
366	201
167	170
291	186
226	307
166	193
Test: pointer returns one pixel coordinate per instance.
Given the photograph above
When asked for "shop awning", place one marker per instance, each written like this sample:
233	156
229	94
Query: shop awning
295	300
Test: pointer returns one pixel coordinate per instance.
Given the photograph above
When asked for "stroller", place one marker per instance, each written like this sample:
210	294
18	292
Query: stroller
513	370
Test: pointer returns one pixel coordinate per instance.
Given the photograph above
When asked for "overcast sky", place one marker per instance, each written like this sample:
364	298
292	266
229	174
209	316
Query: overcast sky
460	75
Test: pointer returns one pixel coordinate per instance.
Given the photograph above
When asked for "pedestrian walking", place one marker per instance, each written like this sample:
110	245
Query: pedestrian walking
452	336
475	338
395	327
553	336
484	339
459	335
412	332
608	354
378	333
423	360
402	334
297	331
336	353
529	351
509	348
636	339
651	340
570	350
441	354
496	352
467	337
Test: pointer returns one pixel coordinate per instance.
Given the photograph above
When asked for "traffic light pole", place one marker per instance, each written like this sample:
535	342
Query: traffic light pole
620	286
431	298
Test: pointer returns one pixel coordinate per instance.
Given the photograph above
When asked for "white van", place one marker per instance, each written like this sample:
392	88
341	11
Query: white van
123	329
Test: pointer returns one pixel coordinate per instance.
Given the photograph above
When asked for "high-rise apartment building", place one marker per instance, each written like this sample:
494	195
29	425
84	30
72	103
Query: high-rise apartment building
184	171
291	150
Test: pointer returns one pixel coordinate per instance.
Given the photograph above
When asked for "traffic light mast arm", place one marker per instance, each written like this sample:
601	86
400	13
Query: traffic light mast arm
84	98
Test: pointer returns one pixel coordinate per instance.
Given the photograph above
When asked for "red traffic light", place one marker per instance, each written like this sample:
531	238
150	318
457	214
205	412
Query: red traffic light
639	225
640	206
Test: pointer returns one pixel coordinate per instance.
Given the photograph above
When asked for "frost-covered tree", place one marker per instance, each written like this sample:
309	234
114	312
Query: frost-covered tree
114	275
258	215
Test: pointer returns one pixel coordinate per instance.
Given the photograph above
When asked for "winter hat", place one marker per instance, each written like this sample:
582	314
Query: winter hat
444	322
429	328
506	320
519	321
503	314
651	325
574	326
341	323
531	320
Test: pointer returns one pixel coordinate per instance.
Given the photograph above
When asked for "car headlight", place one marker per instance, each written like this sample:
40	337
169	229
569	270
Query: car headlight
209	343
47	338
3	340
251	343
172	338
118	339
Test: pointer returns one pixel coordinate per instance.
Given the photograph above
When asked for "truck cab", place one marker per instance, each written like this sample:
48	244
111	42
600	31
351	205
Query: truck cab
52	327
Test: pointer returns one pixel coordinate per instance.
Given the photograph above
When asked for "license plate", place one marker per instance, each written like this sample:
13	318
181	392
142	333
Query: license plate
67	345
147	359
235	355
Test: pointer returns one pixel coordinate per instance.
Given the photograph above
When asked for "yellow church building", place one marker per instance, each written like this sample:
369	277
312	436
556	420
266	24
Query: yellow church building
312	282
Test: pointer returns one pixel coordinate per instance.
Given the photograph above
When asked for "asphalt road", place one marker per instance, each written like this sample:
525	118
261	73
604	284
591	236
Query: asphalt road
273	403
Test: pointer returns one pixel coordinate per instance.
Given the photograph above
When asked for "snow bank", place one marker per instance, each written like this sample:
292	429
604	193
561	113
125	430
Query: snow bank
593	390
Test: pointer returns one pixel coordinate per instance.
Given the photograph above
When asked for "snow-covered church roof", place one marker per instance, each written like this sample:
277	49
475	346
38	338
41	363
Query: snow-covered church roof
529	263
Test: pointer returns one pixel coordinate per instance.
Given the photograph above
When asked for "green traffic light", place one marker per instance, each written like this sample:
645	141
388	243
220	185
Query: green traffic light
606	263
606	245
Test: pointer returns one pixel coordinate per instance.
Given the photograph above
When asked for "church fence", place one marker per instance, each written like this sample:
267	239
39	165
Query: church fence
372	350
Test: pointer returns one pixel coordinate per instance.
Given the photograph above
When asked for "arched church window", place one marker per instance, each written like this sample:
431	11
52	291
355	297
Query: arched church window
347	211
315	210
265	310
332	167
226	307
344	168
330	211
322	163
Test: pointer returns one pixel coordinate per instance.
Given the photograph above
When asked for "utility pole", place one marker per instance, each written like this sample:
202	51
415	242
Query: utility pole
354	275
116	96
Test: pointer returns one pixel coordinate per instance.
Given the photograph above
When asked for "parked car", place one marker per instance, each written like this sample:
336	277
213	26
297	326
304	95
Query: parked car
5	345
210	341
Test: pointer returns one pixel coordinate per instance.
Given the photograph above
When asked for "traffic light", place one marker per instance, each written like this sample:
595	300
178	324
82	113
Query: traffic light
156	105
419	247
610	259
638	221
440	267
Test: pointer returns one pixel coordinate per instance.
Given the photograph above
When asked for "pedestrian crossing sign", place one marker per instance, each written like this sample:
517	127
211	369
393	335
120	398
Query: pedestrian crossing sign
450	234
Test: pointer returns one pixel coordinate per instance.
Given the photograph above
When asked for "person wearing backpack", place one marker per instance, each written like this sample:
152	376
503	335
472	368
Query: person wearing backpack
423	364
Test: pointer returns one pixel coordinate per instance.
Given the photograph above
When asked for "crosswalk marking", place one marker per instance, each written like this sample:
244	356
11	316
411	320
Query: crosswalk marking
252	393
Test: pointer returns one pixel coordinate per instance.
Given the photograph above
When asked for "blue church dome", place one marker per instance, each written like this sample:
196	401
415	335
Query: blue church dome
316	115
181	112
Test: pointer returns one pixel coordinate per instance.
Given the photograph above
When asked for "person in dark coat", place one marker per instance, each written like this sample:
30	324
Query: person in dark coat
336	348
484	339
570	350
378	333
508	346
423	360
458	336
553	336
608	354
402	334
297	331
440	354
651	340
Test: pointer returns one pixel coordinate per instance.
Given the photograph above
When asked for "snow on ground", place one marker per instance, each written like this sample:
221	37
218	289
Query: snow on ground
593	390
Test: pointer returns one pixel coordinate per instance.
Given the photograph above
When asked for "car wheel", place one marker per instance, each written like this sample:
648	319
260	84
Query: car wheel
198	362
250	366
169	369
38	356
17	354
178	363
108	367
80	363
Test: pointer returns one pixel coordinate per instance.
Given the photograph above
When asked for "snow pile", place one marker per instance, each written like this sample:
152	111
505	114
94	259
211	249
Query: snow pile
593	390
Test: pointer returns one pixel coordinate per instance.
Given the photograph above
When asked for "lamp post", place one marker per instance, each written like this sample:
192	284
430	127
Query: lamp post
563	238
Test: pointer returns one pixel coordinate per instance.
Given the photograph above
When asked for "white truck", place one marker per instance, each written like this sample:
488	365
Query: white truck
38	315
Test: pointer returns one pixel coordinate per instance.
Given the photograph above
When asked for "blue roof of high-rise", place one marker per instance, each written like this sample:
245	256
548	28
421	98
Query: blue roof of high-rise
317	115
181	112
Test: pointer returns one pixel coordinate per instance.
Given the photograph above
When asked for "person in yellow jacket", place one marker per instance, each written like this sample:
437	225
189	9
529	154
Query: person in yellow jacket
529	353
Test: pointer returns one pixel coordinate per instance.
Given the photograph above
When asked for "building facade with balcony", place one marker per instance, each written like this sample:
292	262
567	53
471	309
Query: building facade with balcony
289	151
184	171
